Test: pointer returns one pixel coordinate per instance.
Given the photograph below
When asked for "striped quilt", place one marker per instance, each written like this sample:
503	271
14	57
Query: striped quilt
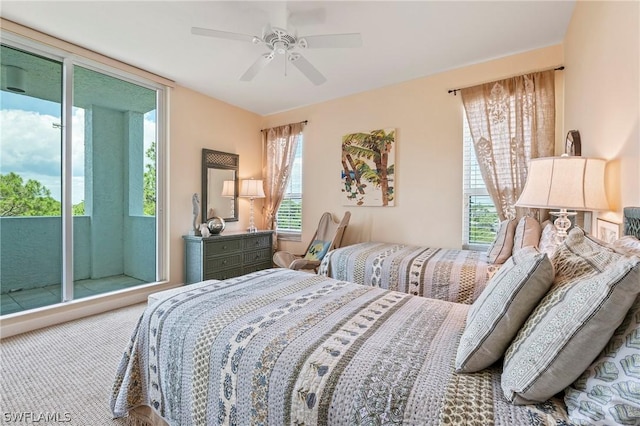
445	274
280	347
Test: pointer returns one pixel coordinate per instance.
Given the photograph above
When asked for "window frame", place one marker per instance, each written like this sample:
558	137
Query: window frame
469	189
292	234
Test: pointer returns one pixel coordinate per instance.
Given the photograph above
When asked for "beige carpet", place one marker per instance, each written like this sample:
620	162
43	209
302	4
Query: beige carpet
66	370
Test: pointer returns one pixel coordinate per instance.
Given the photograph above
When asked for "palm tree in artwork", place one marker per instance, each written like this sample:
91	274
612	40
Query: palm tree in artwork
374	147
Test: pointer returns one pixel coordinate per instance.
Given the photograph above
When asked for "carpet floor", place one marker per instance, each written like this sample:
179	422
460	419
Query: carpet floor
65	372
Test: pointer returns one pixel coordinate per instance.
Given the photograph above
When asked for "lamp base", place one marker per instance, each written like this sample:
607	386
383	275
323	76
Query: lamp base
562	224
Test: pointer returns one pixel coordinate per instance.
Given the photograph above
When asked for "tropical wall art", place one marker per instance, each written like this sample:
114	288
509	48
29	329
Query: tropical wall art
368	168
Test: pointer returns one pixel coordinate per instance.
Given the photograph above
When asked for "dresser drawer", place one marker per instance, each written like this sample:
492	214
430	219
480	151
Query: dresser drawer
258	241
257	256
223	262
215	248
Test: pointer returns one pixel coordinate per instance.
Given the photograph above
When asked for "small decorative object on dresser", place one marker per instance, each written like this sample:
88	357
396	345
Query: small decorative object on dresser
226	256
216	225
204	230
195	201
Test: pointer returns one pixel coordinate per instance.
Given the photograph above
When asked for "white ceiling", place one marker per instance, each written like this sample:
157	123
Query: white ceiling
401	40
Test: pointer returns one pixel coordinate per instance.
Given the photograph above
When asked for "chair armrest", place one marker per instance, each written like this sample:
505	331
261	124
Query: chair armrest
304	264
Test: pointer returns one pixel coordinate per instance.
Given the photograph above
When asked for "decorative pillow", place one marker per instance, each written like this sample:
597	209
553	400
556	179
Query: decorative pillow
504	305
593	289
627	245
317	250
527	233
500	249
608	392
548	243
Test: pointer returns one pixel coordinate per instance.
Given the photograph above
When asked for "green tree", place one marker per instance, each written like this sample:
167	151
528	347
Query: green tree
374	146
78	209
149	178
18	198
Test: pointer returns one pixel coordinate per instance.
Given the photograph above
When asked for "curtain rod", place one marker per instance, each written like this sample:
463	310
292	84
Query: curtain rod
455	91
301	122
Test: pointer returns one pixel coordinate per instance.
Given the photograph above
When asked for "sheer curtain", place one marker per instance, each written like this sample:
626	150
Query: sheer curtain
511	121
279	148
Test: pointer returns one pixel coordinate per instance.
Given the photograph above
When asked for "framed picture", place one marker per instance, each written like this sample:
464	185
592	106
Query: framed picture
608	231
368	168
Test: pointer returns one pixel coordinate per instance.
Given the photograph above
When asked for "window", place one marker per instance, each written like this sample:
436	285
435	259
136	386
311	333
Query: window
480	219
289	216
78	174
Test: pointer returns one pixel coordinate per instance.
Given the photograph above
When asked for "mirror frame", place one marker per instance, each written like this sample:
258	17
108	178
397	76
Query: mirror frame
219	160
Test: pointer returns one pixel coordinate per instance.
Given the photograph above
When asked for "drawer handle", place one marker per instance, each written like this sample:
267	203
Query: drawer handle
224	247
224	262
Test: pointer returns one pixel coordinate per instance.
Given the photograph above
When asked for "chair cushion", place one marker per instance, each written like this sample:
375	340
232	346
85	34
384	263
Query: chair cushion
504	305
593	289
500	249
317	250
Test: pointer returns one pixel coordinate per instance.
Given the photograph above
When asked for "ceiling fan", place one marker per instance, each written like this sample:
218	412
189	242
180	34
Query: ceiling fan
282	42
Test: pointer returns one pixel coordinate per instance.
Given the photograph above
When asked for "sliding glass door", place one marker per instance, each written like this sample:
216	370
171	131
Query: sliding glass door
79	149
30	181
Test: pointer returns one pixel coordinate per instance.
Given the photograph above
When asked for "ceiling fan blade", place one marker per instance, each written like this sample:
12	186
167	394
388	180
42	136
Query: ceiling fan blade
330	40
257	66
222	34
306	68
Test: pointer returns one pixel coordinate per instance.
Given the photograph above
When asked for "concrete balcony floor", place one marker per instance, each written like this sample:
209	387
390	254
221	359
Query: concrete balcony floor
22	300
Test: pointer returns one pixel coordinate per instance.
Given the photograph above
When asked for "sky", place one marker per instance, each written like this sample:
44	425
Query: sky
30	145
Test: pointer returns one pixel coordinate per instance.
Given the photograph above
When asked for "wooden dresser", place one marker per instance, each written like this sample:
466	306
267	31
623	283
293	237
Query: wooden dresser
226	255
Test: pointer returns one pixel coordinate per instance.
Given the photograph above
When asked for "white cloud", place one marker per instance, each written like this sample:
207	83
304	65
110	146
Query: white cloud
30	146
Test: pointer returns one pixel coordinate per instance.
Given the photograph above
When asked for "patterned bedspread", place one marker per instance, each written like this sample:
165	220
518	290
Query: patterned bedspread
445	274
280	347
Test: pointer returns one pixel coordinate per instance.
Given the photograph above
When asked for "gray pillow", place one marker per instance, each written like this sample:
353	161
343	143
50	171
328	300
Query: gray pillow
504	305
608	392
593	289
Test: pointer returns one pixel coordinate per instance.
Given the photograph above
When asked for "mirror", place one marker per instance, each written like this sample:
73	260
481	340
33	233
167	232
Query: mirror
219	185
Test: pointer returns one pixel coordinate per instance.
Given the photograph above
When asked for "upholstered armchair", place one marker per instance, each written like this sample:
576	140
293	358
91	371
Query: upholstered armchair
327	237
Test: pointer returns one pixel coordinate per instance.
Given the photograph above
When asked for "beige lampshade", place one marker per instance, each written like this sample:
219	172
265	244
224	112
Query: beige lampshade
228	188
252	188
575	183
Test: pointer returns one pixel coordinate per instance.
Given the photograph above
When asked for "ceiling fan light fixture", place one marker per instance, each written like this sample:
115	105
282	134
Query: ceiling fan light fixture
283	42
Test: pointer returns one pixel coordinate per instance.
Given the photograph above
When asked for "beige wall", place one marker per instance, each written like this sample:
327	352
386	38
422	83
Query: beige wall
428	206
602	93
198	121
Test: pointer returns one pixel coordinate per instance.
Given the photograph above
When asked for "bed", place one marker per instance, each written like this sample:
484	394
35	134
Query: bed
281	347
445	274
